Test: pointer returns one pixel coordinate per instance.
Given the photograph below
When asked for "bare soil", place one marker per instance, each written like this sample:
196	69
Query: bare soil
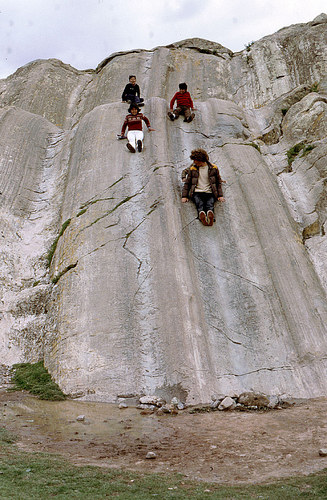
226	447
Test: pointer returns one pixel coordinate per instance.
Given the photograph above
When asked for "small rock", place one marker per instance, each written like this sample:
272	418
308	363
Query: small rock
227	404
323	452
147	411
152	400
273	401
214	404
122	405
146	407
174	401
181	406
151	454
80	418
167	408
253	399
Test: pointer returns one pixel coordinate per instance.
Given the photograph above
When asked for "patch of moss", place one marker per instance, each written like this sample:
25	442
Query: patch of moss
254	145
307	149
59	275
53	247
35	378
314	87
298	148
81	212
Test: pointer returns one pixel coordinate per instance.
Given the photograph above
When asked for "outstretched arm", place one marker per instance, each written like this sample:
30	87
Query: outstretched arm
124	127
173	101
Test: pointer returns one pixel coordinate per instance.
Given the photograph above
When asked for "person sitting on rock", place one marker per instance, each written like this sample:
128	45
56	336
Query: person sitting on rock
185	173
131	92
184	104
203	186
133	122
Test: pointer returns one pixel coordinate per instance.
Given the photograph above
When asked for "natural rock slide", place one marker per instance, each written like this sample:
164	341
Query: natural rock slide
112	281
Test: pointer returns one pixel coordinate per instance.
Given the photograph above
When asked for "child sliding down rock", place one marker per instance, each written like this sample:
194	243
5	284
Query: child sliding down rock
133	122
203	186
184	105
131	92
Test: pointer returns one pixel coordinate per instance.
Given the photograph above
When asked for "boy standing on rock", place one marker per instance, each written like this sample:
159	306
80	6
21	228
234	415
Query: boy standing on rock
203	186
184	105
133	122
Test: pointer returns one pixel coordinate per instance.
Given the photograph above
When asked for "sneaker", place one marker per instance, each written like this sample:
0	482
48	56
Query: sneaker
203	218
130	147
210	217
171	116
139	146
190	118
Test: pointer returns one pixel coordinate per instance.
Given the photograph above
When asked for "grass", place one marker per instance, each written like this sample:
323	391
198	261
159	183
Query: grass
6	437
35	378
315	87
293	152
39	476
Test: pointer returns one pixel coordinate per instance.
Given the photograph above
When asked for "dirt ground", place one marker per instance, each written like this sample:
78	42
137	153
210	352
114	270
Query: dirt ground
225	447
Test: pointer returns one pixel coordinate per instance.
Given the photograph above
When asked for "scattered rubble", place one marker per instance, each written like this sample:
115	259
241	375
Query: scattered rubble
247	401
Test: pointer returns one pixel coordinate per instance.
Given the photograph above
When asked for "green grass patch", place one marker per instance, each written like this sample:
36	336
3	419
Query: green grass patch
254	145
81	212
6	437
53	247
296	150
40	476
35	378
314	87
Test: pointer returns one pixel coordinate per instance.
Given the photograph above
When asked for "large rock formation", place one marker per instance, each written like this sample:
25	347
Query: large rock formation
112	281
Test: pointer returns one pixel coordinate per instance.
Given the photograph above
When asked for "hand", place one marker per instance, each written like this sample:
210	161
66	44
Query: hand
151	129
185	200
221	198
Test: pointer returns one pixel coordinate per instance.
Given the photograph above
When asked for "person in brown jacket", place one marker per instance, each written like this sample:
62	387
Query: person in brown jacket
203	186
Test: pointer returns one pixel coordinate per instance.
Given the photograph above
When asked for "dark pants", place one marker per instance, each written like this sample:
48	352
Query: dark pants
182	110
204	201
134	98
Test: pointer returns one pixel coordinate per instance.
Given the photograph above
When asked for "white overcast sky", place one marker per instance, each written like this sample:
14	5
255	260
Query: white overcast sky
84	32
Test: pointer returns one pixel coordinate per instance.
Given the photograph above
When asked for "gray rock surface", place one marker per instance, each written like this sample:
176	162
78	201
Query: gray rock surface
112	281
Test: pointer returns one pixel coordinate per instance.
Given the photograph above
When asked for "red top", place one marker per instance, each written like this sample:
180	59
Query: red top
183	99
134	122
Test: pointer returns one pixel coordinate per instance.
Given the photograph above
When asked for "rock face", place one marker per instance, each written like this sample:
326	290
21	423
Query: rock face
112	281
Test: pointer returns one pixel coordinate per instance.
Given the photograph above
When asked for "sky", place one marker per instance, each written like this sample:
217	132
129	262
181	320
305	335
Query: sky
83	33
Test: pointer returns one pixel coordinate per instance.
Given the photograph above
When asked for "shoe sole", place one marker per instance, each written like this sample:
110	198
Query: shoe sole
203	219
210	217
130	148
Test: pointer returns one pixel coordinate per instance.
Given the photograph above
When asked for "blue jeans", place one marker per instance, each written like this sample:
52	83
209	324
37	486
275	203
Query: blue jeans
204	201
